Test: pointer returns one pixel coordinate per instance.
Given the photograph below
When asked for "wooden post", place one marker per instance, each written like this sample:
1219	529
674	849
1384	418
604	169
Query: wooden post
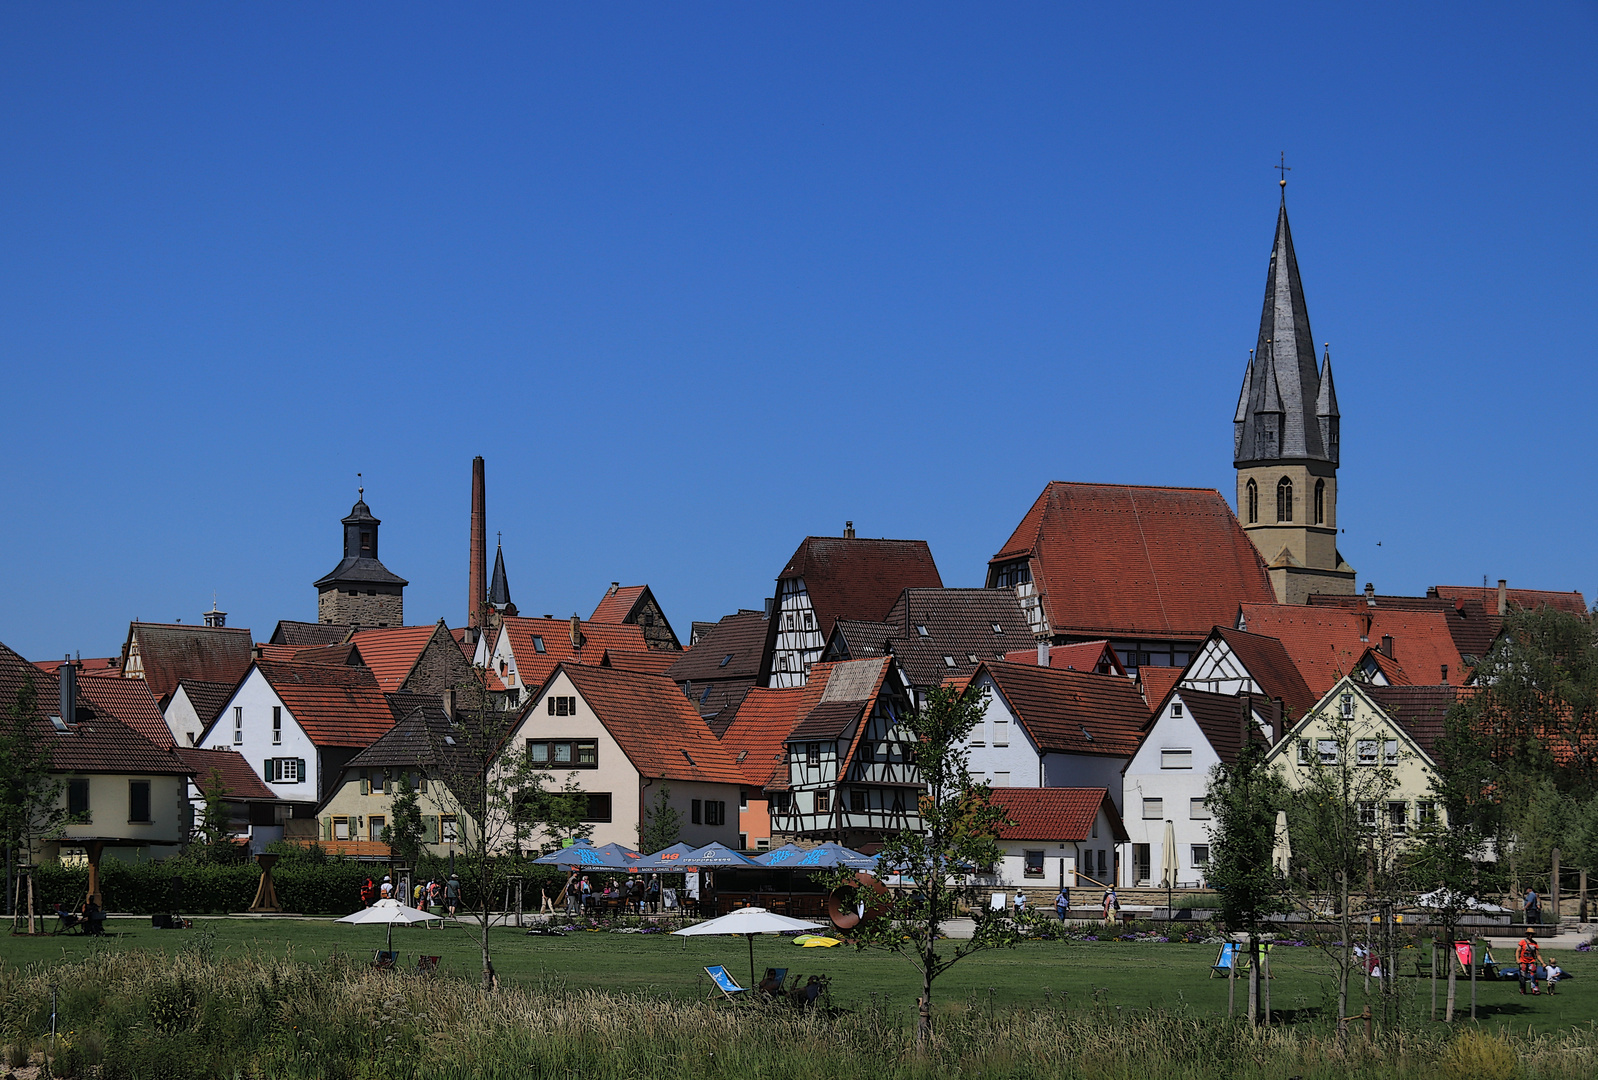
1583	914
1367	964
1253	981
1231	979
1265	976
1370	1036
1473	977
1434	975
1553	890
30	902
1453	968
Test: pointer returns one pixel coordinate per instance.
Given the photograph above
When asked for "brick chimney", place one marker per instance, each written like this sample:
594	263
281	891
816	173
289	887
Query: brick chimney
477	572
1387	646
848	530
1503	597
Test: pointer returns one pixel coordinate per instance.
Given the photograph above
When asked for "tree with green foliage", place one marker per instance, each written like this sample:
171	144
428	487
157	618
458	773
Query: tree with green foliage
956	842
404	831
559	816
662	825
31	806
212	838
1243	799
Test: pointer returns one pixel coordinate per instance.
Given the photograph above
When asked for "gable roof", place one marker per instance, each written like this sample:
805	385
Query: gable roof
239	781
1326	643
1224	717
1267	660
1073	712
97	744
305	635
1419	709
851	578
654	724
618	603
169	652
959	624
1063	815
335	706
392	652
653	661
1116	560
422	736
847	690
729	649
130	702
534	668
1473	627
1157	683
1572	601
765	720
1077	656
206	698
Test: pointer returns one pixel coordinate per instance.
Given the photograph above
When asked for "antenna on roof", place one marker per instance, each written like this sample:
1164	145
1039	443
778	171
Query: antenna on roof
360	489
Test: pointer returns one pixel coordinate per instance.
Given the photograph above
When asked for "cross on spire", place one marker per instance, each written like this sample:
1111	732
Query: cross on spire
1283	168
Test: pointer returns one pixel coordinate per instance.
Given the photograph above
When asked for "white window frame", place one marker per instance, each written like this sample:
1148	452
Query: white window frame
238	725
1198	811
1157	806
1176	758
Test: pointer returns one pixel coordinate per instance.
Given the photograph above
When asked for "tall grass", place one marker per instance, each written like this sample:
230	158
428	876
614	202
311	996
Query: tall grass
146	1015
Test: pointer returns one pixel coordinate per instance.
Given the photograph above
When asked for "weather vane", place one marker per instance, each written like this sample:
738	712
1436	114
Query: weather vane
1283	168
360	490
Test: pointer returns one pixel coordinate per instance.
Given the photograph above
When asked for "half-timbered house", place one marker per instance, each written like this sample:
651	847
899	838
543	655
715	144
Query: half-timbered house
851	771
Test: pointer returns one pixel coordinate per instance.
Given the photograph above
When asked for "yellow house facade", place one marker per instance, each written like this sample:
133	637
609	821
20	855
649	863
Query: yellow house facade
1389	774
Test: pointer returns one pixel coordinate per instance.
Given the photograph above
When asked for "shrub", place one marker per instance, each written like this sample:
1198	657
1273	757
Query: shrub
1476	1056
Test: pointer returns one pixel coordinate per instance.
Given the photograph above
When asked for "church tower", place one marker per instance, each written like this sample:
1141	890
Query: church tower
1285	441
360	591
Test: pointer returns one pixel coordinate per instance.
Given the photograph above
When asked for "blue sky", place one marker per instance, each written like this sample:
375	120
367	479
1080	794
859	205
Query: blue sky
699	280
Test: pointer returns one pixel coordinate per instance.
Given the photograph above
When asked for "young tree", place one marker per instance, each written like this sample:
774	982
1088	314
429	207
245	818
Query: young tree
1243	800
212	839
662	825
31	806
488	782
405	833
559	815
955	842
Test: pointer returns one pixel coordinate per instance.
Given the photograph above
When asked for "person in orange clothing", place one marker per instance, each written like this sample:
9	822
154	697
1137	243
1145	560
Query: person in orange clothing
1527	957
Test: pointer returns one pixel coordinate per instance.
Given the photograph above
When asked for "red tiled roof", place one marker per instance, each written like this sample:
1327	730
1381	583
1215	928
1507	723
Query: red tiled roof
170	652
1157	683
1326	643
336	706
1472	625
654	725
534	667
97	666
737	639
1420	710
617	604
100	744
764	721
1060	815
1118	560
130	701
1572	601
239	781
858	578
282	653
392	653
653	661
1073	712
1267	660
1079	656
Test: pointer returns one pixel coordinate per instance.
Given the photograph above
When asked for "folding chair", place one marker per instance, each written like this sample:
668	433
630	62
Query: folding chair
725	983
384	961
1232	955
771	985
427	965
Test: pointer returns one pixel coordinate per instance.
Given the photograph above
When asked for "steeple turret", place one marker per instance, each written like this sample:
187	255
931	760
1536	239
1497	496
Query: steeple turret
1285	439
499	590
360	591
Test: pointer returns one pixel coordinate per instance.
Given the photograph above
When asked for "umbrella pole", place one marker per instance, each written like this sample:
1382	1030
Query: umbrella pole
751	938
391	935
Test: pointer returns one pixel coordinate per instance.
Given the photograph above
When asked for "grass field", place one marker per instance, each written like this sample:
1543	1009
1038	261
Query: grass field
1132	976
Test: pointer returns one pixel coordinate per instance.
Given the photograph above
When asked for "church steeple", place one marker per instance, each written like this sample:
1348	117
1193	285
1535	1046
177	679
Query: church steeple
1285	439
360	591
499	589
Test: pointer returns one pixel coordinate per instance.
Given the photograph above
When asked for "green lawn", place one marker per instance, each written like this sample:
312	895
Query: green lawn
1130	975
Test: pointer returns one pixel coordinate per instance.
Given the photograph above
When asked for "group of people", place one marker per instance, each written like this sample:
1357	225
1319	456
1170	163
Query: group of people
636	895
424	895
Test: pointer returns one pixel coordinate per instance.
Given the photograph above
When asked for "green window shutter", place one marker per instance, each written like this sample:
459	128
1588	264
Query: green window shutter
432	828
327	828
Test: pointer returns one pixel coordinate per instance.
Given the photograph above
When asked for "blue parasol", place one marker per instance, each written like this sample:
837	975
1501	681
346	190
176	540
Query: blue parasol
668	861
583	854
827	856
716	856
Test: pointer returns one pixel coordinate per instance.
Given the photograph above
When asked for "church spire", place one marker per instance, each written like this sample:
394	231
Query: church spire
1283	366
499	588
1326	409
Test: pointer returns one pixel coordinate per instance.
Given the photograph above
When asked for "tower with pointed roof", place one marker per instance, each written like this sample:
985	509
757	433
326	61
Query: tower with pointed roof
1285	440
360	591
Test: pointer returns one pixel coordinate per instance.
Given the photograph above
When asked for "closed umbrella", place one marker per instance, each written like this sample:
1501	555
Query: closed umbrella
389	912
1282	853
748	922
1170	866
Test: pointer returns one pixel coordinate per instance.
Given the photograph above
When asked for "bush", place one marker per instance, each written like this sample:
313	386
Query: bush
1475	1056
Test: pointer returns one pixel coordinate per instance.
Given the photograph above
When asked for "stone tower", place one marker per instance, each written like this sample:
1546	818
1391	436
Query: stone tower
1285	441
360	591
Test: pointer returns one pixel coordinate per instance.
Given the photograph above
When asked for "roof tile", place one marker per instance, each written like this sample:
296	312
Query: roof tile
654	724
1074	712
1063	815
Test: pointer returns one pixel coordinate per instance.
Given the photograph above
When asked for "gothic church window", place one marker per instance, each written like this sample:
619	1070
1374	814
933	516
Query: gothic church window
1253	502
1284	499
1320	502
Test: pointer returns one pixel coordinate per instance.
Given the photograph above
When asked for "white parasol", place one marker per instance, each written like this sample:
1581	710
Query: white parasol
748	921
1282	852
389	912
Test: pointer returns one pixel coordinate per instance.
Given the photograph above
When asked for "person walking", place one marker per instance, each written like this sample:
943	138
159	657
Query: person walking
386	889
368	892
1112	904
1062	903
1534	906
1527	957
652	894
452	894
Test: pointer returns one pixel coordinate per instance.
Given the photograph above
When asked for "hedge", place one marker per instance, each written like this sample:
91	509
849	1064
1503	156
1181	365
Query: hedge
306	884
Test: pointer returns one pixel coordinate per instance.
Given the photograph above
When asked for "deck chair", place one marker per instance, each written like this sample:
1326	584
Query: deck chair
1232	955
384	961
996	902
724	982
775	977
427	965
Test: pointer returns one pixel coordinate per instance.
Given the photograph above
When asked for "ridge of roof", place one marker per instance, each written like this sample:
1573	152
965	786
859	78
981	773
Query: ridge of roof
1058	814
653	723
1074	712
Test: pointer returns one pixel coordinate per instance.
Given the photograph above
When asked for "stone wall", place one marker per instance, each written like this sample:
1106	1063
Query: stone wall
652	621
442	666
369	609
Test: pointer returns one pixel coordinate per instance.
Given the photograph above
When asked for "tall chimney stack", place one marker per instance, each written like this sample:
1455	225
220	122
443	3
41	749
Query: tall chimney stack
69	691
477	573
1503	597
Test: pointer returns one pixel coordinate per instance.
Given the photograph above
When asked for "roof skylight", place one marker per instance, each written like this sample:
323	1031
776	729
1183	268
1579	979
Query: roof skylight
949	660
922	630
725	660
538	644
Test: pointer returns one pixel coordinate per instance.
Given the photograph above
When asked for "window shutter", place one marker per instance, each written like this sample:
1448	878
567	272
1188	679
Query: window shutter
327	828
301	763
366	786
266	771
431	821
